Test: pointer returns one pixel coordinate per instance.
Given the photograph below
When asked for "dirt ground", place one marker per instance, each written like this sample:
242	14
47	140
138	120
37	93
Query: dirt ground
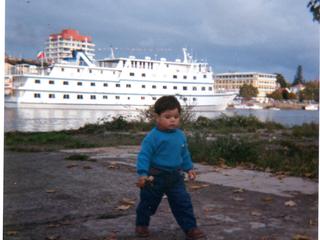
49	197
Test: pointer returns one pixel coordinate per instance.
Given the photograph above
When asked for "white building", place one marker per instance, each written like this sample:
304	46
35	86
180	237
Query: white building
264	82
60	45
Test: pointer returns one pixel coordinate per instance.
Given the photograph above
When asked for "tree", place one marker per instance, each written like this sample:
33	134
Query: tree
277	94
282	81
314	7
311	91
248	91
298	78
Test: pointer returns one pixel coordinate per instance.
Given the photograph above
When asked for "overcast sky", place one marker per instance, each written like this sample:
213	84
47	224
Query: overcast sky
235	35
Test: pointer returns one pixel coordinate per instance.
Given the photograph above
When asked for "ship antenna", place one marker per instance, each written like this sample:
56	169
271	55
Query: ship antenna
185	55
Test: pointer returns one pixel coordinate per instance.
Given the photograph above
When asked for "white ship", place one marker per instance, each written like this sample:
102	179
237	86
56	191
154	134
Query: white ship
115	84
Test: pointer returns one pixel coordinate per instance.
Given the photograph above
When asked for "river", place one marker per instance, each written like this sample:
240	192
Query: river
42	120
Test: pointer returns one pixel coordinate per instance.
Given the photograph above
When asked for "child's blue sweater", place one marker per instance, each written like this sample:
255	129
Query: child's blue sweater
167	150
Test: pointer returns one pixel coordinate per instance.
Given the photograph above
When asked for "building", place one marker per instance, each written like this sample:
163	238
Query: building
60	45
264	82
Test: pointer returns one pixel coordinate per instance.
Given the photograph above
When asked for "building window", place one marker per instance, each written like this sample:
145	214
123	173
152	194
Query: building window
79	97
37	81
118	85
143	86
185	88
37	95
154	86
105	84
105	97
131	74
51	82
66	96
93	97
51	95
65	83
128	86
79	83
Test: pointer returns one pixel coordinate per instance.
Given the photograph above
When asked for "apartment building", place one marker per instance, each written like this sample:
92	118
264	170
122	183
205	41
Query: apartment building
60	45
264	82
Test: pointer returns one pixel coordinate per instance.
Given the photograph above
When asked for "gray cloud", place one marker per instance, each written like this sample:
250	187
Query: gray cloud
235	35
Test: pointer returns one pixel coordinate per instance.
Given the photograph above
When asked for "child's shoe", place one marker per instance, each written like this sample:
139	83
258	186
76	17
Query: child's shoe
195	233
142	231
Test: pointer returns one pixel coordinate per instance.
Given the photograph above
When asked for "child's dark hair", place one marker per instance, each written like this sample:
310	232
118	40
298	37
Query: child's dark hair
166	103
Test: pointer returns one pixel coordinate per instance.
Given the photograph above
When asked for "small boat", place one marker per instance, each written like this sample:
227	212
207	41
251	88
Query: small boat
245	106
274	109
311	107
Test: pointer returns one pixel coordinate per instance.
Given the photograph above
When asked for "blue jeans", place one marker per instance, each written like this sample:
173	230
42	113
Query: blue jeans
172	184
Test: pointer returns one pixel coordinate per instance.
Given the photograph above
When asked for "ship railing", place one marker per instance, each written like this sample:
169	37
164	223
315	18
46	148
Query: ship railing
28	69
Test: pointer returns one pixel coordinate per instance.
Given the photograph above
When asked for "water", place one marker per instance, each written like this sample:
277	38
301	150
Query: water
32	120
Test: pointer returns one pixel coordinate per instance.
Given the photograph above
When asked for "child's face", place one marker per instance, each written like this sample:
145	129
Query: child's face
168	120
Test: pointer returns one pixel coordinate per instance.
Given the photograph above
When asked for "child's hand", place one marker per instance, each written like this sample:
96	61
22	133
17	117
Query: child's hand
143	180
192	175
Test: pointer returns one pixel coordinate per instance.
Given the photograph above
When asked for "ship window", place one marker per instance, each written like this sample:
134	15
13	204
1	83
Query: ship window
117	97
92	84
194	88
65	83
154	86
92	97
101	71
194	99
128	98
105	84
128	86
66	96
175	76
185	99
131	74
37	95
143	98
90	71
105	97
164	87
185	88
51	95
175	87
203	88
210	88
62	69
143	74
79	83
194	77
51	82
143	86
184	77
79	97
37	81
204	76
154	98
117	85
78	70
